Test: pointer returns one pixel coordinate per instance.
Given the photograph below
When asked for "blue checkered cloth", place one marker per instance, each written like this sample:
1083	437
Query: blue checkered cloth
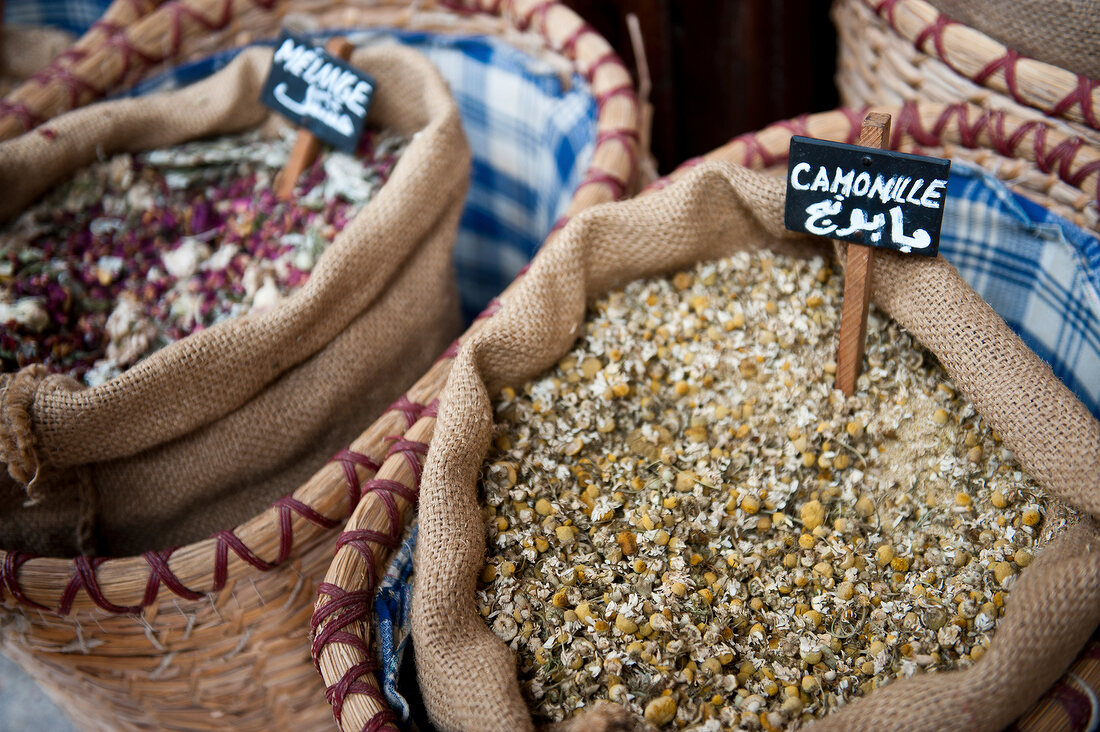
74	16
393	621
1040	272
532	138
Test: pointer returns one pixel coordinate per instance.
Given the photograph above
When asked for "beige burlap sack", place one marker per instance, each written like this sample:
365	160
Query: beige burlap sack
468	675
26	49
209	430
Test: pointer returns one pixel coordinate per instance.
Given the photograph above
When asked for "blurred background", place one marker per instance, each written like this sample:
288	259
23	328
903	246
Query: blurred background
772	59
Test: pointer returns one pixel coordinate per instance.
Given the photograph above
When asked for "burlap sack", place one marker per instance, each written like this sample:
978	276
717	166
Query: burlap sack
206	432
1064	33
468	676
26	49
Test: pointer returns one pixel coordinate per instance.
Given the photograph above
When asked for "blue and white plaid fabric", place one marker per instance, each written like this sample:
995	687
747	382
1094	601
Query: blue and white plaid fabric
1040	272
74	16
532	138
393	621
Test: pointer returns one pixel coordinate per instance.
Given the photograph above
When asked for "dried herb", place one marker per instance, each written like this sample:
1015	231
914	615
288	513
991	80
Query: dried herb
136	252
685	518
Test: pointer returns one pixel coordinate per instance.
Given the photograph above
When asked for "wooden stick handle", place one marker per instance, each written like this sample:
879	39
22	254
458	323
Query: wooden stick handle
306	145
858	270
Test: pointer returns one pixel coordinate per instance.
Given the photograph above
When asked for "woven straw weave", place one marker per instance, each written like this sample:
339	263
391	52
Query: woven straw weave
892	51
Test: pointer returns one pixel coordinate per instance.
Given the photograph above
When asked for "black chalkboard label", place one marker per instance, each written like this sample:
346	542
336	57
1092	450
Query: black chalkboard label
876	197
317	91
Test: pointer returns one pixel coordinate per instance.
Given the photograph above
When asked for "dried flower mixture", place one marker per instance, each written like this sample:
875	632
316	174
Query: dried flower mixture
138	251
686	519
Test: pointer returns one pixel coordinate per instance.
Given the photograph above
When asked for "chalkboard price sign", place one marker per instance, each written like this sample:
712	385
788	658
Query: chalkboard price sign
874	197
318	91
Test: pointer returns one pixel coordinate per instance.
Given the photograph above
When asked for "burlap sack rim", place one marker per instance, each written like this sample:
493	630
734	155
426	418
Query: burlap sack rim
58	395
450	458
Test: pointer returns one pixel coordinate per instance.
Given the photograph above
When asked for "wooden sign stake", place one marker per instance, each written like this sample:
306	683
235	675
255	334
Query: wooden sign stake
875	132
306	145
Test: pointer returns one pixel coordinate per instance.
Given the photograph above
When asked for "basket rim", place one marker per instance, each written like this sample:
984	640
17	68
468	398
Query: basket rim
1050	89
341	639
291	524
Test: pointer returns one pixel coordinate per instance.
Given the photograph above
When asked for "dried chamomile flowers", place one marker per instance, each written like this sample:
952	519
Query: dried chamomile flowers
686	519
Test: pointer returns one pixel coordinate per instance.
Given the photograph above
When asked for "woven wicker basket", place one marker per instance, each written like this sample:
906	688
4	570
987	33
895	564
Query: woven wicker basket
893	51
341	618
214	634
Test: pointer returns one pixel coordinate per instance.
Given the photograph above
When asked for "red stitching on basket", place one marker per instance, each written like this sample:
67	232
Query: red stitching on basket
692	162
343	607
569	46
348	460
626	137
889	6
285	506
541	9
855	116
85	577
386	490
1062	156
794	125
909	122
1007	63
626	90
27	118
753	149
70	56
70	81
1085	171
935	32
458	7
969	134
161	573
352	607
12	562
410	409
384	718
128	52
1008	144
1081	96
178	12
411	451
1077	705
106	27
608	58
616	184
228	540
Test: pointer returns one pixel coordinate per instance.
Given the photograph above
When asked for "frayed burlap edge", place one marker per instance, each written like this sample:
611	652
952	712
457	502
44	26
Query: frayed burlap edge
468	676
